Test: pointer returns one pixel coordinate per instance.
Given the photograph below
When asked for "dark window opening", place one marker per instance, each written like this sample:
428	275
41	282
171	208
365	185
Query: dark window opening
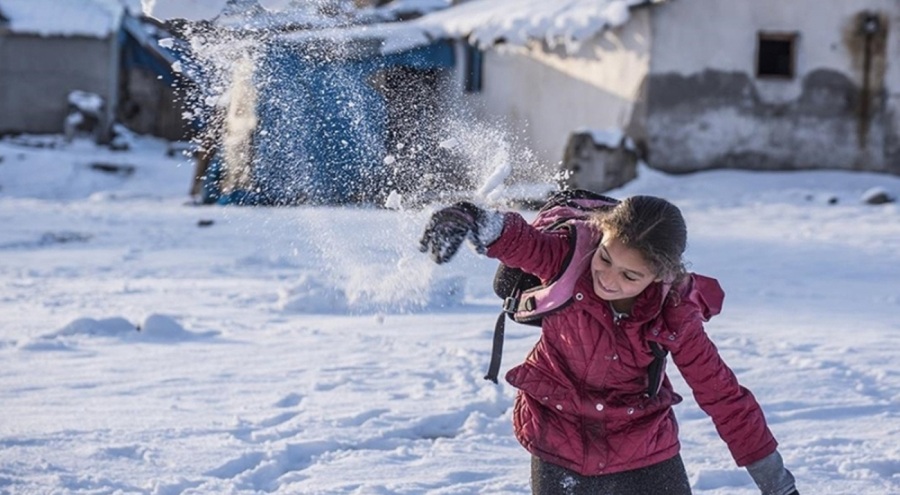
775	55
474	59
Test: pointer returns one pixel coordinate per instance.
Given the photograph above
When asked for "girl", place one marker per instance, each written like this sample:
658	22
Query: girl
582	408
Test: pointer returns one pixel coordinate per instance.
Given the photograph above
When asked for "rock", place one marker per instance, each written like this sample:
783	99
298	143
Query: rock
877	196
599	161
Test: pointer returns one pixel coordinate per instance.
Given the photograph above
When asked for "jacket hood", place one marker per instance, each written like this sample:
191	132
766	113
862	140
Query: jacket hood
706	294
696	291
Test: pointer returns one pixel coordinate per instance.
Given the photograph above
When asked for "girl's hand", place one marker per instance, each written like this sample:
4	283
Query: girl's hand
449	226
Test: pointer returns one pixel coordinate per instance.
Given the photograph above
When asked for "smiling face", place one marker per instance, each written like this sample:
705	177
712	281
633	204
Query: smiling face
620	273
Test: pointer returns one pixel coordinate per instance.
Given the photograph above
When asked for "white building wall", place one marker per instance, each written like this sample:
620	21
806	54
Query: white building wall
543	94
37	74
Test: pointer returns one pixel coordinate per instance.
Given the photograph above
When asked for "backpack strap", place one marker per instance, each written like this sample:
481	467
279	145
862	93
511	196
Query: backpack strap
500	326
657	369
497	348
529	306
557	293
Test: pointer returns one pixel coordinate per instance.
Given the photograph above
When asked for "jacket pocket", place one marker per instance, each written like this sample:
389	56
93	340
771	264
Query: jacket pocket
546	389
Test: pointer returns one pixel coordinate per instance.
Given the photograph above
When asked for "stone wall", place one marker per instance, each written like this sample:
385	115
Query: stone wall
706	105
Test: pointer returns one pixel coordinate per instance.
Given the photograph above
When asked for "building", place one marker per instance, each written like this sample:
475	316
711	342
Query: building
695	84
52	48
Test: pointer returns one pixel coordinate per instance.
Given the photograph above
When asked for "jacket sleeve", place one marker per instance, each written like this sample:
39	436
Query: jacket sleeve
734	410
523	246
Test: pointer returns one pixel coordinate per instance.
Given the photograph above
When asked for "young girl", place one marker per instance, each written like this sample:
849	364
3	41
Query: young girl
582	409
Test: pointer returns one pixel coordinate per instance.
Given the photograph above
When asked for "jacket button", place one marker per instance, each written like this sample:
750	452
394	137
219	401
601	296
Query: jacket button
599	407
655	331
630	410
579	296
559	407
545	399
671	337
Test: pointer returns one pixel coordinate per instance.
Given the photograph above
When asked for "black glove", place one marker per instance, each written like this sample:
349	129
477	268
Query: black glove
450	226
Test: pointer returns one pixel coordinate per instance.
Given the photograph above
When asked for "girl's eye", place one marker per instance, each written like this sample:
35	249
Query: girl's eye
604	260
630	278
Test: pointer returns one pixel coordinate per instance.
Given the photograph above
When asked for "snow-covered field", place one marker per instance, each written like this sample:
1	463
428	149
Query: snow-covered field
316	351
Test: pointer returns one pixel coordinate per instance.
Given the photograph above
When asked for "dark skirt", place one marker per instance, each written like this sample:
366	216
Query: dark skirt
665	478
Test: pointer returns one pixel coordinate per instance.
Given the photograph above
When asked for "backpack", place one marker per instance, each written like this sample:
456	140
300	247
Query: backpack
526	300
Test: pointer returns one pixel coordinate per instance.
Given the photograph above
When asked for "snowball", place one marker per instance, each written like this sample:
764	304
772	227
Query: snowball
394	201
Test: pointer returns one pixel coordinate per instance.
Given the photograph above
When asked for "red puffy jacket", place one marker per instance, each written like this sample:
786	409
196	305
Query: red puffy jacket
582	400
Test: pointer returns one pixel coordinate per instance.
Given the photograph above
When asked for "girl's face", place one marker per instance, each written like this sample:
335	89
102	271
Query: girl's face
620	273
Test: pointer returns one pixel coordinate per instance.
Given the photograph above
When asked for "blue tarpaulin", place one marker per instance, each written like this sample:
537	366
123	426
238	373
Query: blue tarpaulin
322	123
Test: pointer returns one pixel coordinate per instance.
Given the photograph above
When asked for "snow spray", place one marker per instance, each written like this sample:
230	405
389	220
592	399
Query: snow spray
276	144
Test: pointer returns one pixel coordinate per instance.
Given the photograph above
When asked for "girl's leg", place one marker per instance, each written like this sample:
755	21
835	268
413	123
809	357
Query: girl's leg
665	478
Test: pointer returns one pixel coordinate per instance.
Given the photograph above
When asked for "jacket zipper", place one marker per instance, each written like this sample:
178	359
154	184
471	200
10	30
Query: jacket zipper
616	318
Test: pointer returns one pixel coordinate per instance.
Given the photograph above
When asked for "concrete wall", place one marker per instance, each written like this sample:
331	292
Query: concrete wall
37	74
544	94
703	105
149	106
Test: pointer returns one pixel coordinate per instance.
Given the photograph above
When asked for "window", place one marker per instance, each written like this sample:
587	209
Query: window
776	55
474	59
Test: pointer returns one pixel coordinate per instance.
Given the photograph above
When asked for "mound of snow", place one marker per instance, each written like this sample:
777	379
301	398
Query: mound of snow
163	327
159	327
155	327
107	327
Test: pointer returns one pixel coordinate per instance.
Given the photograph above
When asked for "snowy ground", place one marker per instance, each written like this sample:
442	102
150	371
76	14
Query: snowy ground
315	351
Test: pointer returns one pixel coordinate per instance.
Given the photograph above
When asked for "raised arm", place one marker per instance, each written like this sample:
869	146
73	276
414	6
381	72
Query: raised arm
534	251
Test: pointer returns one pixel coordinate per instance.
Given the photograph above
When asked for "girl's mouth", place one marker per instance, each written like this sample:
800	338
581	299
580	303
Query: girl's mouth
602	287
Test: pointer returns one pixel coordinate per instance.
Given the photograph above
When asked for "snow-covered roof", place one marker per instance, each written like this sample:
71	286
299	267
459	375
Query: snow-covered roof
90	18
486	22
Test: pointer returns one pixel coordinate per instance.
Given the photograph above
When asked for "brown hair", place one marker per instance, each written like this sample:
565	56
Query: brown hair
652	226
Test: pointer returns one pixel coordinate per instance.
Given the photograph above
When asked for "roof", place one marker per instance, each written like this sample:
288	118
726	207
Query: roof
89	18
487	22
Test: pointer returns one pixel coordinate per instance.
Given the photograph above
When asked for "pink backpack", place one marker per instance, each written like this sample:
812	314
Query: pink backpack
526	300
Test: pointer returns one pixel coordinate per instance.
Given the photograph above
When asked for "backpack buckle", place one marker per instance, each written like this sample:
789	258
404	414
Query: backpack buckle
510	305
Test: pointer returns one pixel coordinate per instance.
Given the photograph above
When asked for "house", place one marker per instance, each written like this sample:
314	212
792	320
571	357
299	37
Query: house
688	85
695	84
50	49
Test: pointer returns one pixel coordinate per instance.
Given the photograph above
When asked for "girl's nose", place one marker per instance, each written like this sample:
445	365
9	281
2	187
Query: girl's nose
603	281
